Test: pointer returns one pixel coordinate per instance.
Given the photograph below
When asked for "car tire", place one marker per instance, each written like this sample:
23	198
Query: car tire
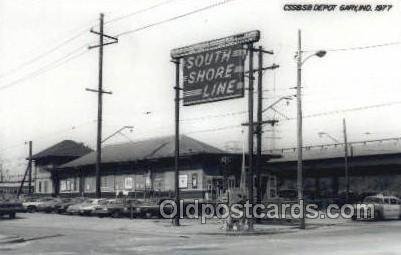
31	209
116	214
148	215
378	215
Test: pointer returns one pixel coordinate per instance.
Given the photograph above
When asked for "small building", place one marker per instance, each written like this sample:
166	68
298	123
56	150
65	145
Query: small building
146	168
10	184
44	176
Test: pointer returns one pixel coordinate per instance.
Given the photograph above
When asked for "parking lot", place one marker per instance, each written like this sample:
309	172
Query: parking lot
41	233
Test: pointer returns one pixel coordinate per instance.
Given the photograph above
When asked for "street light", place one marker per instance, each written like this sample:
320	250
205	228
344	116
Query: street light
118	131
300	62
321	134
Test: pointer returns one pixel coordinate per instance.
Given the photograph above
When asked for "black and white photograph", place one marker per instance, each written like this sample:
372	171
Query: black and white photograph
200	127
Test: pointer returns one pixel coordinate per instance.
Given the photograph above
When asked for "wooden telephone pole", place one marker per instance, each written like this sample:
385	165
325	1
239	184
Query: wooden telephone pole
250	133
100	93
346	161
299	129
30	169
28	172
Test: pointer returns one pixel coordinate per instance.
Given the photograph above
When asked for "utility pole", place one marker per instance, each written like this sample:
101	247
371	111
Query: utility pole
28	172
260	122
30	169
299	131
176	220
100	100
259	127
250	132
346	161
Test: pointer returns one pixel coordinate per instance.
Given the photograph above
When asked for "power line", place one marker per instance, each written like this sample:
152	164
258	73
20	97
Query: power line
61	61
44	54
139	11
322	146
49	135
174	18
213	129
361	47
229	114
349	110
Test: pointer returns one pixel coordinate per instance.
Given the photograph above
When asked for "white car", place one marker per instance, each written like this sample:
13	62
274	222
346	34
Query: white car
31	205
385	207
91	205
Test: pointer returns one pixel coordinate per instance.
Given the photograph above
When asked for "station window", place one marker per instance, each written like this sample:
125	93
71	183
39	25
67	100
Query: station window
45	186
104	181
194	181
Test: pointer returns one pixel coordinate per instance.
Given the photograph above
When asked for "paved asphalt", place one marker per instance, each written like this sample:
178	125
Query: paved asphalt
59	234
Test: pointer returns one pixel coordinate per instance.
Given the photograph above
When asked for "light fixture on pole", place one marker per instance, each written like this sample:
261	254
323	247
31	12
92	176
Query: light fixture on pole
321	134
118	131
300	62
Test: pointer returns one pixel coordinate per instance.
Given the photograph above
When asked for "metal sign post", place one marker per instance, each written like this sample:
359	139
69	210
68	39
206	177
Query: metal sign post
177	140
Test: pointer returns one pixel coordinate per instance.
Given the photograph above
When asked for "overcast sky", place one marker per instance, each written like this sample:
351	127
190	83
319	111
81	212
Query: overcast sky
43	98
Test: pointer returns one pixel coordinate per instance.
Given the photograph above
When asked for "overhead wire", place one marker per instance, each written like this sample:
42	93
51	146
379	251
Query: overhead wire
50	66
361	47
174	18
45	53
138	12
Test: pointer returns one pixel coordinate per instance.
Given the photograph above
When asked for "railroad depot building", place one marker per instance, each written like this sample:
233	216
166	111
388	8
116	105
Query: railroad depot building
373	167
44	174
146	168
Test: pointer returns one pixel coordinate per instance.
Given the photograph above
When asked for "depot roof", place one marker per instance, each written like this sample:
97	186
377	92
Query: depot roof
155	148
66	148
391	146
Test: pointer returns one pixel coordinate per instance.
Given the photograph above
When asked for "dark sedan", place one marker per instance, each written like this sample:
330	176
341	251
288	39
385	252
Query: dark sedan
11	208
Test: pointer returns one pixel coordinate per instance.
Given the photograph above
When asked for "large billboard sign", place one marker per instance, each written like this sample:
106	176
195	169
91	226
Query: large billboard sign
214	70
214	75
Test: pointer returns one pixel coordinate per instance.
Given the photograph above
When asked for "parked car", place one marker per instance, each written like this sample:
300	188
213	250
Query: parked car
66	202
90	206
148	209
49	206
86	207
11	207
31	204
115	208
74	208
385	207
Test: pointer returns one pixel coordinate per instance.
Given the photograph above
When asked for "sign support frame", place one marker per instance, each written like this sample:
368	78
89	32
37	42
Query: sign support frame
176	61
250	132
176	54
